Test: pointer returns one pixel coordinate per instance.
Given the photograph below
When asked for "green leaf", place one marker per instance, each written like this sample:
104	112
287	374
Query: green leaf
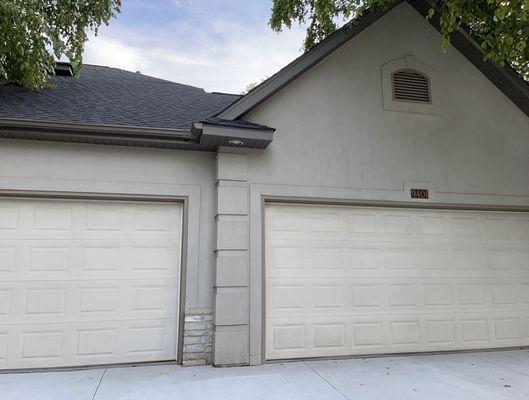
501	27
34	33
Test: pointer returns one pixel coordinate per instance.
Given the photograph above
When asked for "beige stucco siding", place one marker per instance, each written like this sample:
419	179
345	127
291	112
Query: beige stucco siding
332	129
46	166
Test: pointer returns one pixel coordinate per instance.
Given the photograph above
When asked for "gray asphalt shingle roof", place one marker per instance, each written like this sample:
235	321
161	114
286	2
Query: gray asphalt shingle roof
110	96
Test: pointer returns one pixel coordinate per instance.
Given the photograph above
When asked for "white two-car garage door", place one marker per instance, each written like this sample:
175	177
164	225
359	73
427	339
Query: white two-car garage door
359	280
88	282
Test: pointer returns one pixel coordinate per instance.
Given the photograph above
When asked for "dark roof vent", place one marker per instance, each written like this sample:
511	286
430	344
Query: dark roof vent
410	85
63	69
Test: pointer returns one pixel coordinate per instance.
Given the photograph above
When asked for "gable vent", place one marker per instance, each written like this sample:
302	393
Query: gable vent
409	85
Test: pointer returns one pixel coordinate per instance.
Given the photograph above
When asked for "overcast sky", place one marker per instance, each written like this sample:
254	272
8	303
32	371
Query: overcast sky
219	45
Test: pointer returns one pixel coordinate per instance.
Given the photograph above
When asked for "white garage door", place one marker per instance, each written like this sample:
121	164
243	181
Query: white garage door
88	282
351	280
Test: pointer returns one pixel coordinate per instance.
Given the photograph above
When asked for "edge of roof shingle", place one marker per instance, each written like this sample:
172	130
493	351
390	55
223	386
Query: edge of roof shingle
108	96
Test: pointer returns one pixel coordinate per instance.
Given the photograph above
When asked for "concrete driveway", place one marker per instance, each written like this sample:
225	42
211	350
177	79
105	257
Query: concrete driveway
486	375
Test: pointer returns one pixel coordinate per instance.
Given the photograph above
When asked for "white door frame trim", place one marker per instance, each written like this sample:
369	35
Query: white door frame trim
182	200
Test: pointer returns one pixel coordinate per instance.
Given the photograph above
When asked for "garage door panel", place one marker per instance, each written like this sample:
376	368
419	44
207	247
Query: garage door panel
396	279
45	259
78	300
88	282
86	343
85	220
361	336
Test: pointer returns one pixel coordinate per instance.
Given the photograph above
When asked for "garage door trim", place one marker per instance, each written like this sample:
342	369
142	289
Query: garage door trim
419	204
293	200
182	200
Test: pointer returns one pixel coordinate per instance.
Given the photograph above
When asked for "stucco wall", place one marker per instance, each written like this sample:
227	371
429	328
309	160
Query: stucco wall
332	129
47	166
335	142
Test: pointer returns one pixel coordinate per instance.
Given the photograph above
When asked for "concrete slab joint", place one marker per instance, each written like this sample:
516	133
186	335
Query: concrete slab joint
231	332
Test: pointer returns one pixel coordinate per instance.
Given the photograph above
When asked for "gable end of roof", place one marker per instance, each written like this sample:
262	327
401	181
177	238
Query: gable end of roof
504	78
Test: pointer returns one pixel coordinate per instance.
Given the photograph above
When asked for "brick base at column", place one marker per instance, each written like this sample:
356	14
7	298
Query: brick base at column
198	338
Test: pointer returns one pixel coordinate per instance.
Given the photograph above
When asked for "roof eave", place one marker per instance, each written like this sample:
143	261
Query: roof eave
98	134
25	124
200	136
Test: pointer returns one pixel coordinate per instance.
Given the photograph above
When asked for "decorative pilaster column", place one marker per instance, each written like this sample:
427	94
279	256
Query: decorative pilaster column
231	337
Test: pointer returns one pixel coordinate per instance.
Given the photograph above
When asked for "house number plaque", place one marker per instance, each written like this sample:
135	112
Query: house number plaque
419	194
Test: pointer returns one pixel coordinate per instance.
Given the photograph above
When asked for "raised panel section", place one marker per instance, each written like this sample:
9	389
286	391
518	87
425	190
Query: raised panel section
47	344
151	220
3	346
403	295
326	258
323	222
286	257
99	299
5	301
440	332
502	259
102	258
331	335
507	328
368	334
432	225
367	295
286	222
400	258
8	218
288	337
292	296
438	295
465	225
94	342
504	294
7	258
103	219
363	258
468	258
328	296
471	295
405	333
362	223
147	339
49	259
151	258
397	224
433	259
474	330
151	298
45	301
53	218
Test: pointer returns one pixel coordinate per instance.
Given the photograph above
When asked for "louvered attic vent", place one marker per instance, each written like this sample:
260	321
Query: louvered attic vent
409	85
